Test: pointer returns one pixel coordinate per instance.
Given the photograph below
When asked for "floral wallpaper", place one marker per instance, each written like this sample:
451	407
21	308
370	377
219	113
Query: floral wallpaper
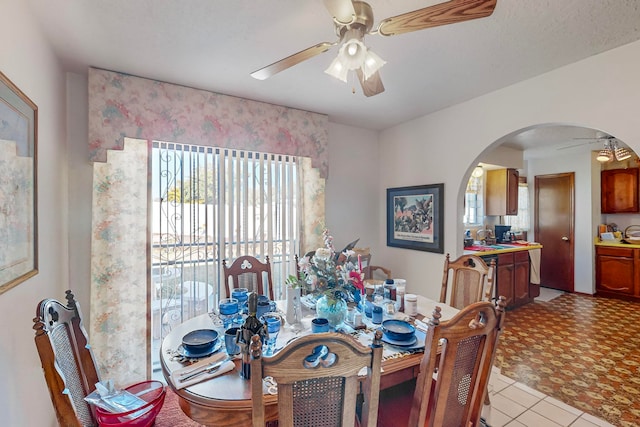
123	105
119	280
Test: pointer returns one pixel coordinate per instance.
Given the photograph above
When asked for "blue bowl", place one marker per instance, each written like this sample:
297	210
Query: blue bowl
199	340
398	330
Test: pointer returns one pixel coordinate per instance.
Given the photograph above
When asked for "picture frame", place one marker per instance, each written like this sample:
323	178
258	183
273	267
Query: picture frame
415	217
18	186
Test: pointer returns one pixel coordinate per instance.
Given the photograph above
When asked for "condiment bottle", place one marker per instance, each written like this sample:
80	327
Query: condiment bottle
411	304
400	289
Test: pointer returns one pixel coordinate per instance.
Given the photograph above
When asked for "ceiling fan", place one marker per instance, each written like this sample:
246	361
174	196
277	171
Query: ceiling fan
354	19
613	148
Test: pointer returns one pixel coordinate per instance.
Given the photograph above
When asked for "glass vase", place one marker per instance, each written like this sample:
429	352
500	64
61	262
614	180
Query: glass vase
334	310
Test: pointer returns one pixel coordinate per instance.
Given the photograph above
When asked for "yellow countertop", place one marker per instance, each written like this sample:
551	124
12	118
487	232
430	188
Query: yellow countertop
505	248
616	243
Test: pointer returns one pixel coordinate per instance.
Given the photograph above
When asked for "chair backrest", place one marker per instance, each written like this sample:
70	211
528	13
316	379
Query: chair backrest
318	382
471	280
365	256
376	272
67	360
467	345
248	272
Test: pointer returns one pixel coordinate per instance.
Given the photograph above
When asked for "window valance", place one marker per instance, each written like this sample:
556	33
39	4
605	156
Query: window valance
122	105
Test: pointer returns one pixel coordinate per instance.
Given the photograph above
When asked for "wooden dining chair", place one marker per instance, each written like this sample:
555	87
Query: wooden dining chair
69	366
249	272
454	371
471	280
318	381
376	272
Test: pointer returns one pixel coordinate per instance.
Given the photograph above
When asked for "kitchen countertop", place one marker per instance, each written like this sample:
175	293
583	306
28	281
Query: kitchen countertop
502	248
616	243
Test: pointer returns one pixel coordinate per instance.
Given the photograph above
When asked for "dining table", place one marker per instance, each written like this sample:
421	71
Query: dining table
225	400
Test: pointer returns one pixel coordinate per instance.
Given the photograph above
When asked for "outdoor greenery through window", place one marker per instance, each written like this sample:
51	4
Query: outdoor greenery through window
210	204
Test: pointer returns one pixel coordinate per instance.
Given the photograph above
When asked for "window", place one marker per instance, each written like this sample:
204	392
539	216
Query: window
211	204
520	222
473	201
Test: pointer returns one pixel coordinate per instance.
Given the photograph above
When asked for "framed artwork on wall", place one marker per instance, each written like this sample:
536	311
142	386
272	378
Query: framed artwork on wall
415	217
18	219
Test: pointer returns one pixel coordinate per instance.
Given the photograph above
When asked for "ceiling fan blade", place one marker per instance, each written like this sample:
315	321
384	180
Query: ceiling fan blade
371	86
449	12
290	61
341	11
576	145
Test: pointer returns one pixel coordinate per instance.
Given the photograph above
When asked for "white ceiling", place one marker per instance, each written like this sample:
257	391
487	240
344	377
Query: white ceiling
215	44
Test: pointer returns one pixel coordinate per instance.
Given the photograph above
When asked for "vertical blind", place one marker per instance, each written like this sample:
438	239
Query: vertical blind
211	204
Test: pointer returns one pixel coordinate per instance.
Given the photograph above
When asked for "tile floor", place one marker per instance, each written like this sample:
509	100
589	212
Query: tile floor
516	405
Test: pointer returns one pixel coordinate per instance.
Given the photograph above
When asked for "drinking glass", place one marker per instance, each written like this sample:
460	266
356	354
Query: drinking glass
273	322
228	309
242	295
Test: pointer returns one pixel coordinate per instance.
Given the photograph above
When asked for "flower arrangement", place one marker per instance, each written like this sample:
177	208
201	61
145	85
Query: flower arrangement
337	276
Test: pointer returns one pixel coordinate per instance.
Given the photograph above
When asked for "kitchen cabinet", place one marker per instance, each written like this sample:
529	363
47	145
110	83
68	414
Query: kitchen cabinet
618	272
512	277
502	192
619	190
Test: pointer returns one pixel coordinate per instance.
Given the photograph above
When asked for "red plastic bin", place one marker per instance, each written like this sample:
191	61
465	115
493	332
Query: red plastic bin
153	392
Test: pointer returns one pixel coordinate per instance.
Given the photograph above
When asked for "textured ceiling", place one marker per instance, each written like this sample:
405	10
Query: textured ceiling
215	44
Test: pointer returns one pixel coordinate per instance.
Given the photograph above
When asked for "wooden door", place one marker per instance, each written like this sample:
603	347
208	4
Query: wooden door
554	229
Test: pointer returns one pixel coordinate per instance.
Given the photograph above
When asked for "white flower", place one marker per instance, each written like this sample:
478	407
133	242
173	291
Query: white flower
323	253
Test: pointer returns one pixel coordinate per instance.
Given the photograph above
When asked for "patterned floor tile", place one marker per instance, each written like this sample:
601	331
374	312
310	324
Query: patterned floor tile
581	350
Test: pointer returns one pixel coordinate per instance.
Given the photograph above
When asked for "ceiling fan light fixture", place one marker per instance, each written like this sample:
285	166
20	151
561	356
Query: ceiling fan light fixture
353	53
605	155
371	64
622	153
337	69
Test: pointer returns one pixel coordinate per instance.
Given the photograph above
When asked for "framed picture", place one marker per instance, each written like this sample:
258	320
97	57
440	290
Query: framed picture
18	219
415	217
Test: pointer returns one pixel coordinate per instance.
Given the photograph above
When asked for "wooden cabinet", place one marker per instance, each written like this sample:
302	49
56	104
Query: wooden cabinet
502	192
619	190
618	271
512	278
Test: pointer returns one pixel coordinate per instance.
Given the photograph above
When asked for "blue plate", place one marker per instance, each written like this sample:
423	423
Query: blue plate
197	354
199	340
418	344
398	330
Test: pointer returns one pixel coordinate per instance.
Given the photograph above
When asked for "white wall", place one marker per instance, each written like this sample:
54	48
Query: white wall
353	189
30	64
601	92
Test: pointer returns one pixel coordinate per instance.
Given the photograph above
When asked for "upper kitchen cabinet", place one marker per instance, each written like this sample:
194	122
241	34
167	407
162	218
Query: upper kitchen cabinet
619	191
502	192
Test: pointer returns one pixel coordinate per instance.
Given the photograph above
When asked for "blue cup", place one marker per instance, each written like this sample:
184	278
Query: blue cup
376	314
319	325
265	306
230	343
242	295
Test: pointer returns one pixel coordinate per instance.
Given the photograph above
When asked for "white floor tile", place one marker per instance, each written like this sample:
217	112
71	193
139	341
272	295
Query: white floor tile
506	405
554	413
515	423
521	396
494	417
529	390
596	421
563	405
497	383
533	419
581	422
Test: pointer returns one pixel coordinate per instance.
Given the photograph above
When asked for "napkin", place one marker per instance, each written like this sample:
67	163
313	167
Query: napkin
226	367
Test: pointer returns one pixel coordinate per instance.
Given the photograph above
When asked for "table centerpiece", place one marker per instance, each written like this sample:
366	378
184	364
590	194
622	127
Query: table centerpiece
335	278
